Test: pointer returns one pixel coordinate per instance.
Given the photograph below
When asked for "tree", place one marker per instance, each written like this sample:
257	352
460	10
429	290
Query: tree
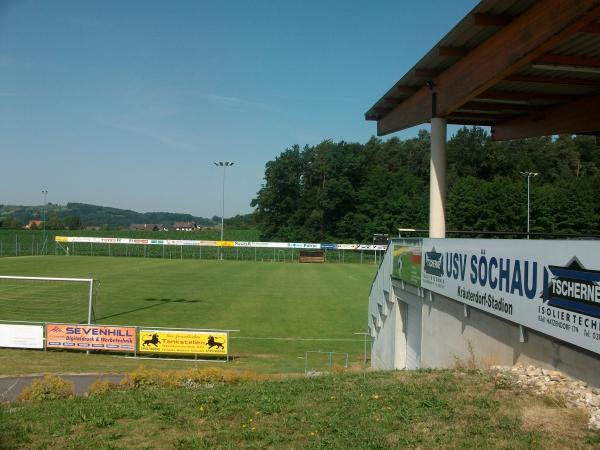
72	222
348	191
277	201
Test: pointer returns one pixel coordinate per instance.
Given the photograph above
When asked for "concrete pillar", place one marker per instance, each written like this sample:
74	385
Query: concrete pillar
437	179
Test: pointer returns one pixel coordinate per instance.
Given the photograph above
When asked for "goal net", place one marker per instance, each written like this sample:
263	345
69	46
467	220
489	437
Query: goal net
43	299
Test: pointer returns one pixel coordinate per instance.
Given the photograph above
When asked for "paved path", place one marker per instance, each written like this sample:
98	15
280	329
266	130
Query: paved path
10	387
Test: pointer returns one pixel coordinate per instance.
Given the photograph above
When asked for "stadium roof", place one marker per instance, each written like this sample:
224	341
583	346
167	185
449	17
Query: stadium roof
524	67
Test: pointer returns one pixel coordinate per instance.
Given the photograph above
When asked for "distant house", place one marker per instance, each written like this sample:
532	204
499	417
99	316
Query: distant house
146	226
185	226
34	224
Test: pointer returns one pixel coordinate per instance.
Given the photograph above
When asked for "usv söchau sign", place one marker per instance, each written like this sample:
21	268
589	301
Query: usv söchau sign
552	287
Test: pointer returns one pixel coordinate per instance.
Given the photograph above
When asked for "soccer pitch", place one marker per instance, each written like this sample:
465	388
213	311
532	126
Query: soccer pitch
281	309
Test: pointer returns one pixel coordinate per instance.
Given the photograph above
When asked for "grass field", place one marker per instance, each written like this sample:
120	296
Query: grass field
281	310
423	409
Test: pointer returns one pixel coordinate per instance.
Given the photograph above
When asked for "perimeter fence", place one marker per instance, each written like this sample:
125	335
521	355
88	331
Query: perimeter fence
37	243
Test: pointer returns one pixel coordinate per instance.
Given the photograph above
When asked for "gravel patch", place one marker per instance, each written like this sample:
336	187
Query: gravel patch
552	382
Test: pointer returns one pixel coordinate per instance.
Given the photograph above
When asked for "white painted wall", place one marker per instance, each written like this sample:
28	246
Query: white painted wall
448	337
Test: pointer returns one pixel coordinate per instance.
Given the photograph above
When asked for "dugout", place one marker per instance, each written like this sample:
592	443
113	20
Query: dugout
524	68
312	256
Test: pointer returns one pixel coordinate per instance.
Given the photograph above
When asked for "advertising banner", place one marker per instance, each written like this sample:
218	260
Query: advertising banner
407	263
286	245
183	342
362	247
90	337
552	287
22	336
298	245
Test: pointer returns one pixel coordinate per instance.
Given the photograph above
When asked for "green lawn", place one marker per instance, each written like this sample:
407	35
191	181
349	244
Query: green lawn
423	409
281	309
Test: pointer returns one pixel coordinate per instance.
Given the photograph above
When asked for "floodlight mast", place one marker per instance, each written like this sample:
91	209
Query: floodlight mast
45	194
223	164
528	175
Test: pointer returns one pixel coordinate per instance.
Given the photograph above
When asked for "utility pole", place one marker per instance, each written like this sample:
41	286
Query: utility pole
224	165
45	194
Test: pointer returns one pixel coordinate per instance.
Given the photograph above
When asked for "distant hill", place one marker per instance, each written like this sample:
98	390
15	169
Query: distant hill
94	215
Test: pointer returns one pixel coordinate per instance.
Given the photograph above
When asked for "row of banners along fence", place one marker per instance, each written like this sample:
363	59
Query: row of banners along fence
132	340
187	249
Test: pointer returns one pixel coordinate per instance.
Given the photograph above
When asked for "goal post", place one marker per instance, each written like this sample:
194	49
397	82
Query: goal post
89	281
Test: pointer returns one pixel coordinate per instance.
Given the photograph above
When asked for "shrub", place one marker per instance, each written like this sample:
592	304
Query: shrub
50	387
145	378
101	386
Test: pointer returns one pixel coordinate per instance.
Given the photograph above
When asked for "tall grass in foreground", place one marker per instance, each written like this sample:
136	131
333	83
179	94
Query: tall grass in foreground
445	409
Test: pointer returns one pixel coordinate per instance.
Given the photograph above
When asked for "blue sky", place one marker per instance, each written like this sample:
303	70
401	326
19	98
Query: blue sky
128	103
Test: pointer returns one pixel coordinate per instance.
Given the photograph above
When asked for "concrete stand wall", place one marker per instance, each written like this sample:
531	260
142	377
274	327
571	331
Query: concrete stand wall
452	334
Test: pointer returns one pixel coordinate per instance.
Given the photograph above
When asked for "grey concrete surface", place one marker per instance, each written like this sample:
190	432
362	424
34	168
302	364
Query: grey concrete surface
449	337
11	387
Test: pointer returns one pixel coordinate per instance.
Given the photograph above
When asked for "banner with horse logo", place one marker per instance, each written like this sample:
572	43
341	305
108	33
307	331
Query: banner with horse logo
183	342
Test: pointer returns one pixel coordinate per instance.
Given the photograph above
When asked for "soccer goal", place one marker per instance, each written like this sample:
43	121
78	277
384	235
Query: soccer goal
47	299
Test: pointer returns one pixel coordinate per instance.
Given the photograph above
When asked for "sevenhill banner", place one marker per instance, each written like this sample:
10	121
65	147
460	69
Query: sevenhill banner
552	287
90	337
183	342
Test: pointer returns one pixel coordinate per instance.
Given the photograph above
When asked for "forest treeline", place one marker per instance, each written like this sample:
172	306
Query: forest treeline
74	216
349	191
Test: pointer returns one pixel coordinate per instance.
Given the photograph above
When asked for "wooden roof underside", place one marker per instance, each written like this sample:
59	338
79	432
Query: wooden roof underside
526	68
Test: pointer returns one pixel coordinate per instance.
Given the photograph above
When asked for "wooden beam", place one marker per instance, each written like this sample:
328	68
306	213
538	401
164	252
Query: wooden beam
382	109
553	80
523	96
488	106
593	28
400	89
565	60
539	29
475	122
426	74
501	20
580	116
491	20
392	101
486	115
452	51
